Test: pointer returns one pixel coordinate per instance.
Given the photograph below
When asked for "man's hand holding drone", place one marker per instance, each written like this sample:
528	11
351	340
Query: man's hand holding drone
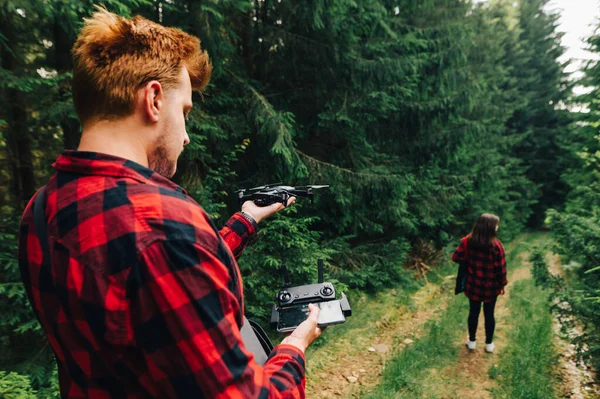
263	212
264	201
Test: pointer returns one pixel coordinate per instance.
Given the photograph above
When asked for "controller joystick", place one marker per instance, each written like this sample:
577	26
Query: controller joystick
327	290
285	296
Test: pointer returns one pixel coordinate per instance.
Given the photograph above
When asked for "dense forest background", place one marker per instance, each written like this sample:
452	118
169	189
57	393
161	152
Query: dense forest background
420	115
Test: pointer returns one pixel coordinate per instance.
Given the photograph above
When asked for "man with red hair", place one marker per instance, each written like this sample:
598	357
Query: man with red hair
138	293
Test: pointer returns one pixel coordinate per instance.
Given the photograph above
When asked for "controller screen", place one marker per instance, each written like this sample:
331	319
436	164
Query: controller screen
291	317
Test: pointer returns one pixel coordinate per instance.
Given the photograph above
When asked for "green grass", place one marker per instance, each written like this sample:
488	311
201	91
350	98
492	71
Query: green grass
526	366
367	308
525	369
405	375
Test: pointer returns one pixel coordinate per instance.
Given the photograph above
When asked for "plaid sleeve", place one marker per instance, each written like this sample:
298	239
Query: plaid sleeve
183	318
459	253
500	265
236	233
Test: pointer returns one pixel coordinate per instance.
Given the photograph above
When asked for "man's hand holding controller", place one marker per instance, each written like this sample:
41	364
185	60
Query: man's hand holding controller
305	334
307	331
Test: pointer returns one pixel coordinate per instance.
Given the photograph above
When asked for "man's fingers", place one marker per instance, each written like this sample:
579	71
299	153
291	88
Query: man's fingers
314	312
272	209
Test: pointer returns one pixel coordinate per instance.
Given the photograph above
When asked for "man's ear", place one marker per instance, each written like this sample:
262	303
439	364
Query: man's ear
153	100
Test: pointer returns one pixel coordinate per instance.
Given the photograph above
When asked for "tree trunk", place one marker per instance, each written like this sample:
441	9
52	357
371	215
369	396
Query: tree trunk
247	36
22	138
18	137
64	63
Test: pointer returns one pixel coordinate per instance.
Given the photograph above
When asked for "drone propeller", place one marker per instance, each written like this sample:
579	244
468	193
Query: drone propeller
316	187
264	187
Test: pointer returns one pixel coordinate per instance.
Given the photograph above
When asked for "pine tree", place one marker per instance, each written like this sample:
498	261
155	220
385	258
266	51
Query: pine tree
541	120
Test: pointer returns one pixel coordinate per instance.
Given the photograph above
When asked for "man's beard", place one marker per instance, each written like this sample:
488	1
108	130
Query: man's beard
159	161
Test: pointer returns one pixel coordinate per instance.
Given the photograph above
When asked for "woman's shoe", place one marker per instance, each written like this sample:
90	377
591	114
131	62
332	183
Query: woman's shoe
471	345
489	348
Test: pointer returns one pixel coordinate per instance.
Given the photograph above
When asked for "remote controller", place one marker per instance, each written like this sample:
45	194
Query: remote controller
291	307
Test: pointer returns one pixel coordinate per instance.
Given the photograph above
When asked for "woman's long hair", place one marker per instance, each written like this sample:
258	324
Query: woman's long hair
484	231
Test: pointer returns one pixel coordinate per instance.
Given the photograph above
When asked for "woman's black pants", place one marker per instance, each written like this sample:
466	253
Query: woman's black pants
490	322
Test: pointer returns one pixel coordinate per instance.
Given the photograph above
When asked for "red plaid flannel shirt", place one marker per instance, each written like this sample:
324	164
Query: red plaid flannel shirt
143	296
486	270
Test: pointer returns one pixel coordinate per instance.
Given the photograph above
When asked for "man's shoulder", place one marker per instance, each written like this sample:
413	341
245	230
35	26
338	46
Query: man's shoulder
121	215
163	213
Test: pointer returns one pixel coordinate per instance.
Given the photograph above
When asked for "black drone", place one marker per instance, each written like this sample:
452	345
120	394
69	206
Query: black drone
274	193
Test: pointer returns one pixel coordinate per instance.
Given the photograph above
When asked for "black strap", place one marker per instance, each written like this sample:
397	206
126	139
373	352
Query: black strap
262	336
461	277
256	341
41	224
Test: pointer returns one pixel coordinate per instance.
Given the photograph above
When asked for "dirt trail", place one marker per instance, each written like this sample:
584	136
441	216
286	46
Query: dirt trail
360	356
469	376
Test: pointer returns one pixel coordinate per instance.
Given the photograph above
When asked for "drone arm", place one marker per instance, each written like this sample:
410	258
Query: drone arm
300	193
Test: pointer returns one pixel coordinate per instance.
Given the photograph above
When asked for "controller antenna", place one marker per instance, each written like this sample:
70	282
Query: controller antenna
320	262
286	276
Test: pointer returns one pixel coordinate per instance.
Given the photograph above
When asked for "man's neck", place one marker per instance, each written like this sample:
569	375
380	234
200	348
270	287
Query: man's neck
114	138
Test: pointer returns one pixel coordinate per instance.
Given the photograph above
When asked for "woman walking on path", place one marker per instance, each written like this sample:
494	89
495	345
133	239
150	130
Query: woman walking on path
483	256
